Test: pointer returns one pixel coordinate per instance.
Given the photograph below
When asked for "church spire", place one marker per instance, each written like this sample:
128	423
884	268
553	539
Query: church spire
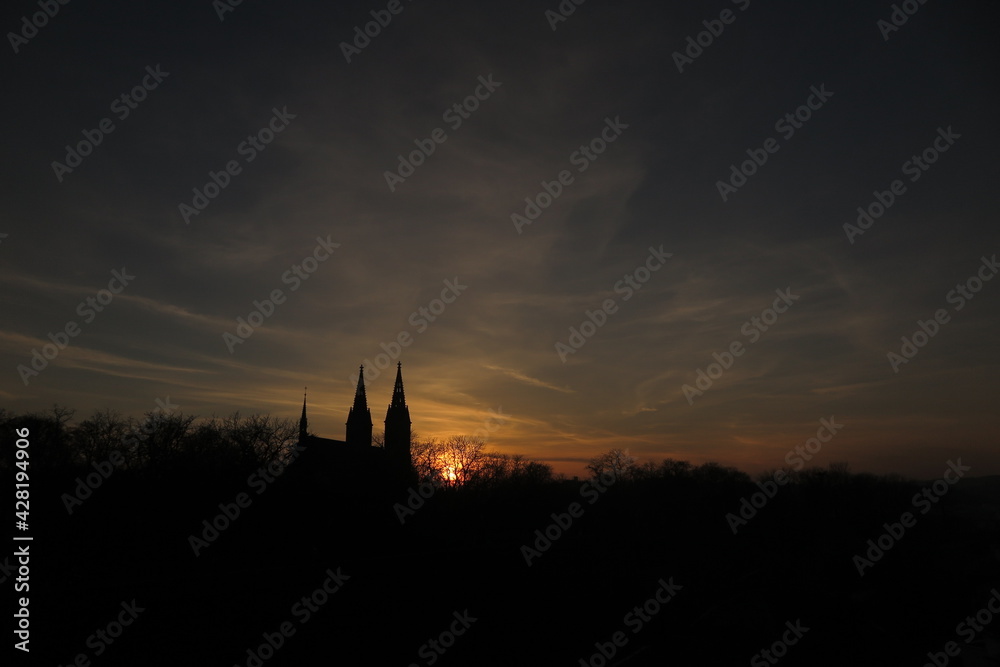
359	417
397	424
398	399
303	422
360	399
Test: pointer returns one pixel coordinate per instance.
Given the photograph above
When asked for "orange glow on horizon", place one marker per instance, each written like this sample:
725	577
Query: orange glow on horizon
447	470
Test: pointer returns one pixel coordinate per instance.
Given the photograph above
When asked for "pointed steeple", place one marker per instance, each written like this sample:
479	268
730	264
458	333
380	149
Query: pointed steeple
398	399
303	422
359	417
397	423
360	399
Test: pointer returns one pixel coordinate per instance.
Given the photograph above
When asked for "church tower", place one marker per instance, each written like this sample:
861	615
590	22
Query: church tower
359	418
397	424
303	422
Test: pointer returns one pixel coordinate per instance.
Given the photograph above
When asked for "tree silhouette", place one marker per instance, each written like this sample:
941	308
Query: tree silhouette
617	462
49	435
462	458
96	438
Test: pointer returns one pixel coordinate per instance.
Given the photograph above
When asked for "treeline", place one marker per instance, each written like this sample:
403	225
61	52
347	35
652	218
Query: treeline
160	441
164	441
464	462
623	467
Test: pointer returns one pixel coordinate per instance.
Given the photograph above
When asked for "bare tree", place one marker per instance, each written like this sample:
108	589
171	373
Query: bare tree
463	461
645	471
207	447
258	439
716	473
498	469
158	439
49	436
672	469
426	457
103	433
617	462
462	458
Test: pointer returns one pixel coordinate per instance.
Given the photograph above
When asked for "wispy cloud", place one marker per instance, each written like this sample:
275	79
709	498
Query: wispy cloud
535	382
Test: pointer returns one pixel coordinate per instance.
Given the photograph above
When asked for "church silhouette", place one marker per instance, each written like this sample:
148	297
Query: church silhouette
355	462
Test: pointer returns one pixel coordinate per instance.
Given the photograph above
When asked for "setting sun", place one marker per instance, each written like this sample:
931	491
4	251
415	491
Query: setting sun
448	471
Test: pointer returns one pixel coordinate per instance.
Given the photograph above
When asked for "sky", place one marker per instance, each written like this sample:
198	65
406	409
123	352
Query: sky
553	215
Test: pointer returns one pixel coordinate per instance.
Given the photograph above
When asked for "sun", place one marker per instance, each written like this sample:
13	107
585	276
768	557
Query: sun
447	470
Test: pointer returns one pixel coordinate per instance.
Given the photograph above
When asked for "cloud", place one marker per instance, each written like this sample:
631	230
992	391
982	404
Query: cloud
535	382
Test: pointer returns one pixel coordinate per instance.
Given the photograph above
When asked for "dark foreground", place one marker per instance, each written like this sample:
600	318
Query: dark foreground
649	573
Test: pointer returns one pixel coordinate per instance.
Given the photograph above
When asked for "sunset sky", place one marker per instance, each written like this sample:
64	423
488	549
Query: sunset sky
389	246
